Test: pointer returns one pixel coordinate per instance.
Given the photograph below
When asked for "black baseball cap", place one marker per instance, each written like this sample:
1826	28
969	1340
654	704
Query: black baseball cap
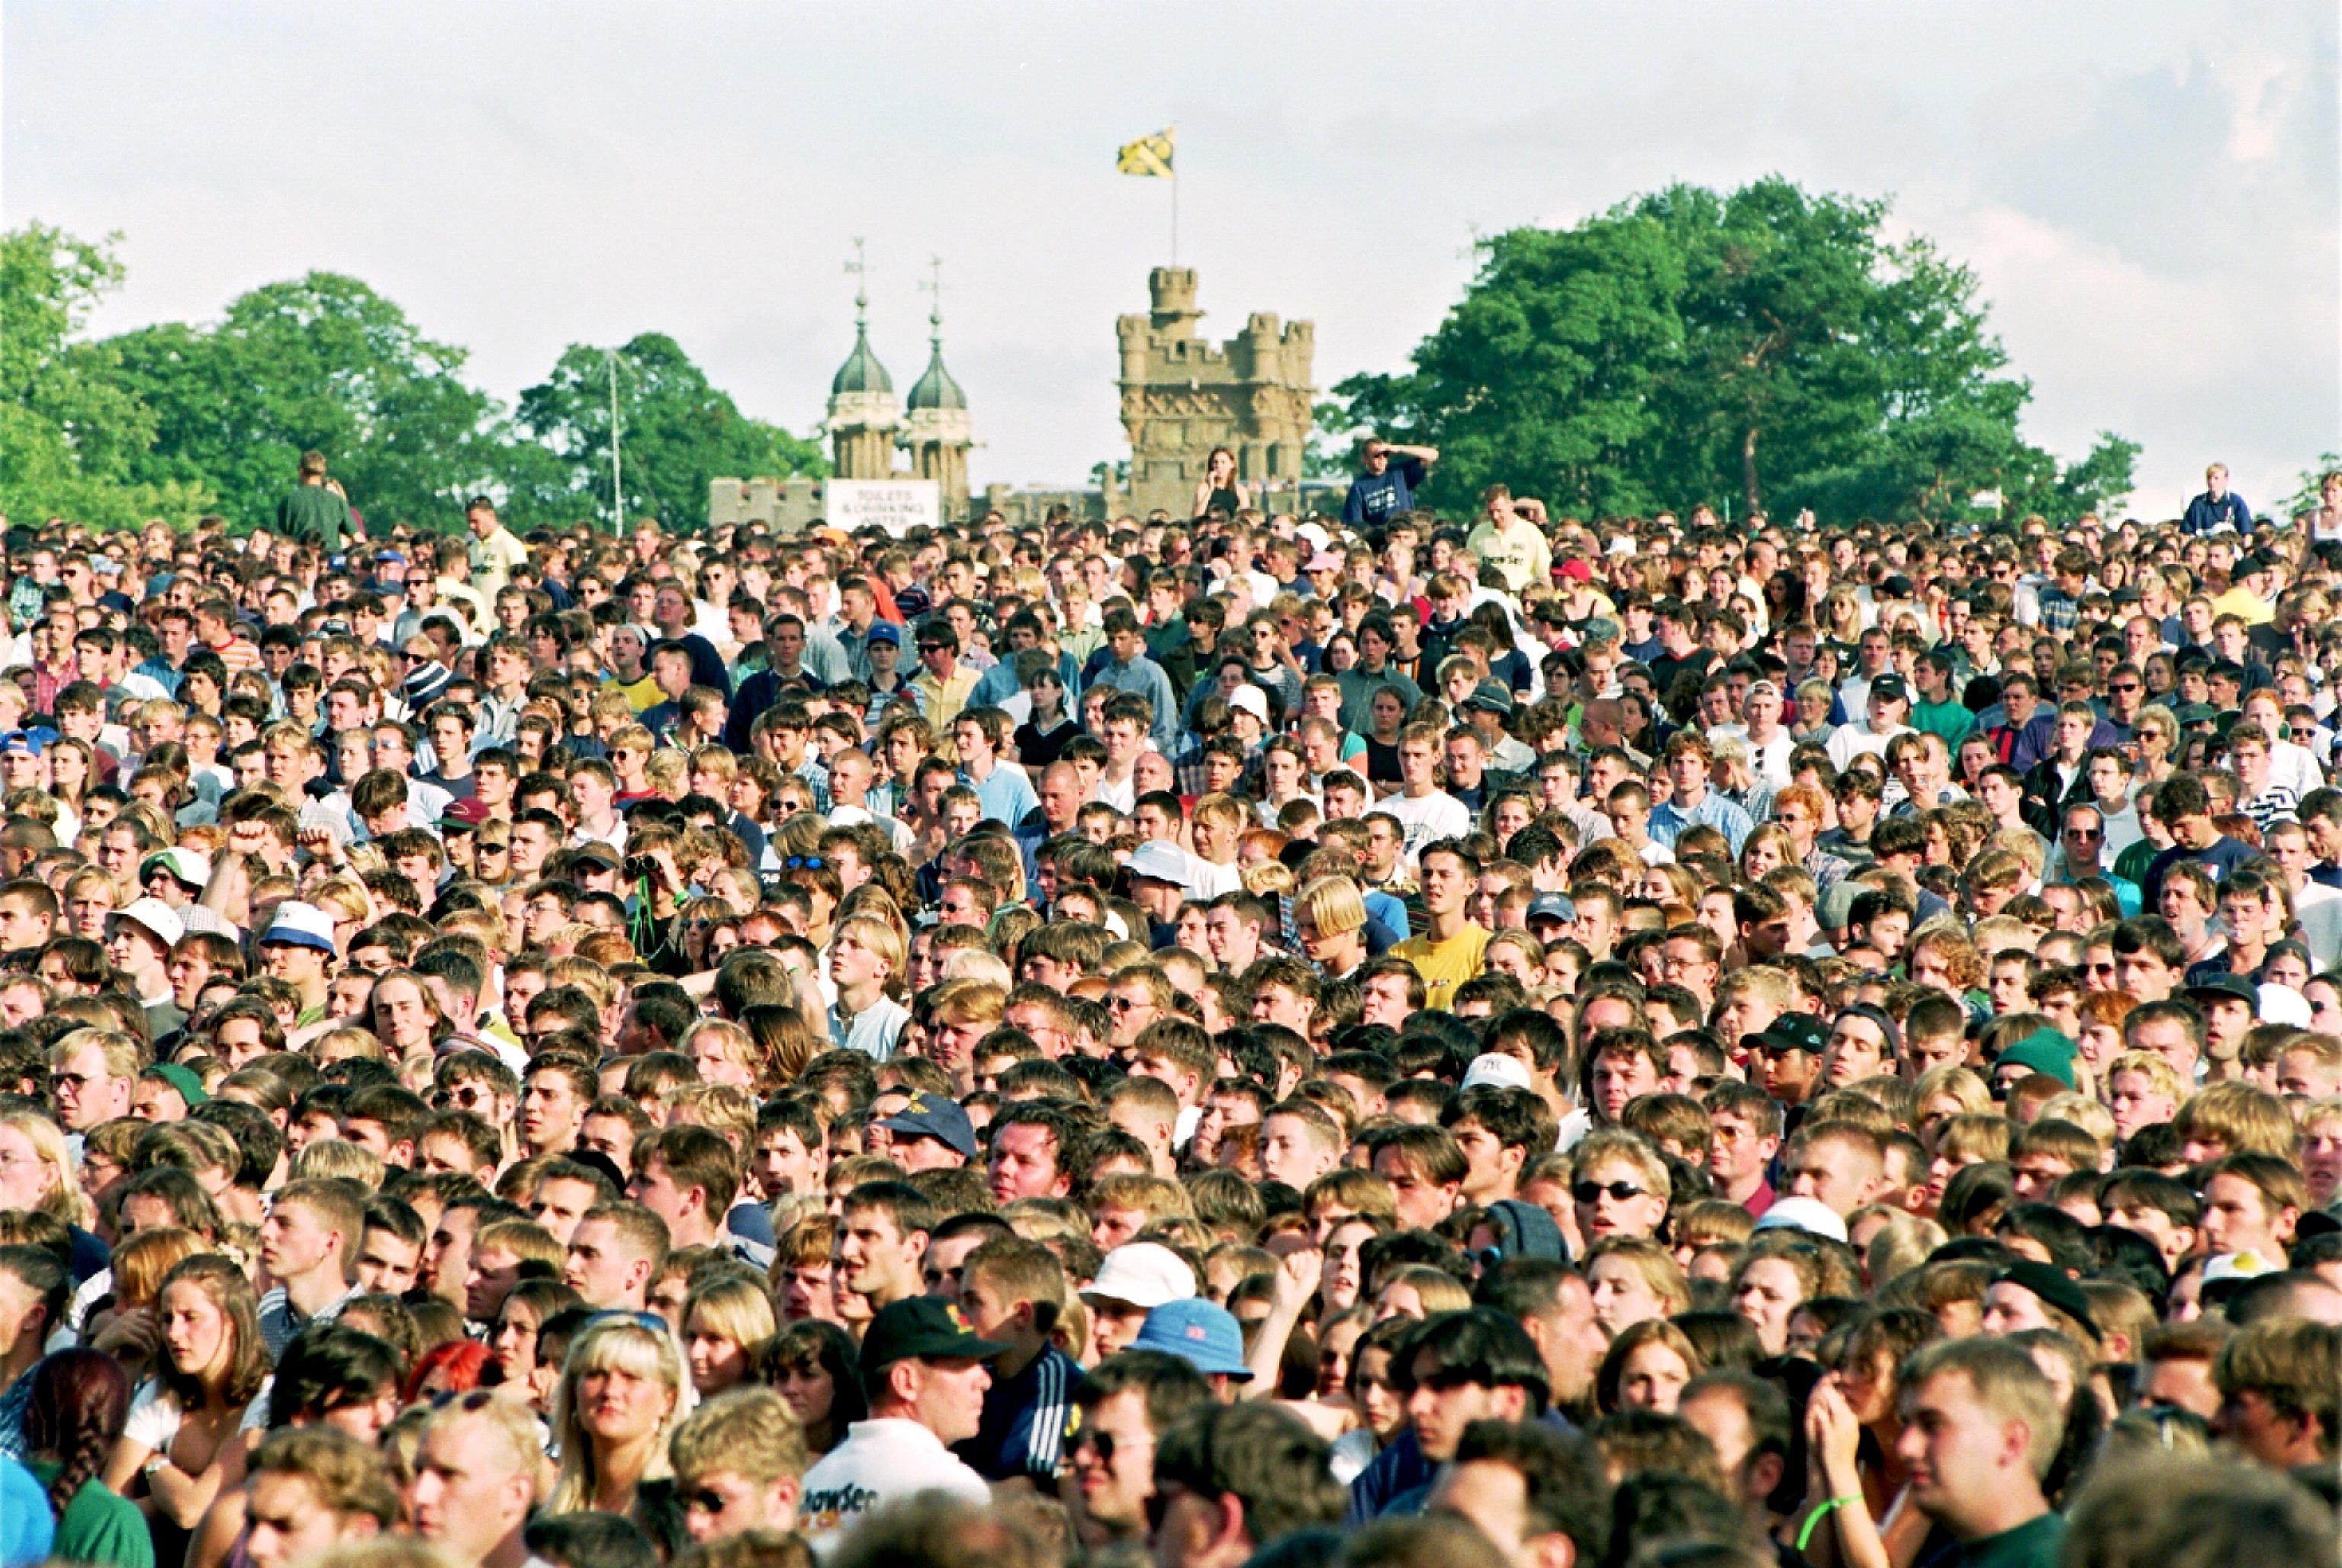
1889	688
2054	1287
928	1327
2234	987
1789	1031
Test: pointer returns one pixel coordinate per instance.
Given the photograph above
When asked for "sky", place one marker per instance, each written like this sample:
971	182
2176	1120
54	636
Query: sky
2148	192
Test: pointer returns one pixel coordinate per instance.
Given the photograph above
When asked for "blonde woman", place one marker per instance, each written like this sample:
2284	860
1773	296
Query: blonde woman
726	1324
620	1396
37	1173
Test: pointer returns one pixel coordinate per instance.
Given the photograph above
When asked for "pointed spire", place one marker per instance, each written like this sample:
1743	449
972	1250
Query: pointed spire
861	372
936	389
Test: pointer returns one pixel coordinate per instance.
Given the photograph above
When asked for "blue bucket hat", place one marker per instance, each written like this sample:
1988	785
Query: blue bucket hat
1204	1335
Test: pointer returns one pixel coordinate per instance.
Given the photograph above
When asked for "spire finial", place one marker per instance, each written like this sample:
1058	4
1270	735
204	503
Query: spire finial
860	268
933	288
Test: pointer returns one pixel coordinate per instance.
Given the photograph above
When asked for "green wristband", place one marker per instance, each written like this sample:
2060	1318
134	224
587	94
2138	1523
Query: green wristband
1806	1531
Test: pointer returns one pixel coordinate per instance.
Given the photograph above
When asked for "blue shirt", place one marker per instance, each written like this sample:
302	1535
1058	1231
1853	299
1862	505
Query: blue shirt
1668	821
2206	515
1378	497
1006	794
1144	677
27	1529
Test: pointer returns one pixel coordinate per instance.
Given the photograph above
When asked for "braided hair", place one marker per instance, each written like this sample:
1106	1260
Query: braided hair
80	1400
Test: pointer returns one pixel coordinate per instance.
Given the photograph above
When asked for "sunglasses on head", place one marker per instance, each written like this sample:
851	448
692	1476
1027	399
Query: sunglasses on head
469	1400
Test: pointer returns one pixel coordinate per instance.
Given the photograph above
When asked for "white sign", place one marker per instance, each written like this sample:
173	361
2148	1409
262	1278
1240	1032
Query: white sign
894	504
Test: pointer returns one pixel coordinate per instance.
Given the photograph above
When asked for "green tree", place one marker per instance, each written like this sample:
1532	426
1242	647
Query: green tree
2307	490
1767	348
677	432
70	433
322	363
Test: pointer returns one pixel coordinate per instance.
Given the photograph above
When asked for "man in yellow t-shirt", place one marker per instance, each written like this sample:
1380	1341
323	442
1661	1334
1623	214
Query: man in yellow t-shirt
1512	539
1452	949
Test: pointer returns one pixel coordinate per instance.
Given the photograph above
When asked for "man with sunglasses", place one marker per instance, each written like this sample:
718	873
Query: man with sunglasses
739	1465
1121	1409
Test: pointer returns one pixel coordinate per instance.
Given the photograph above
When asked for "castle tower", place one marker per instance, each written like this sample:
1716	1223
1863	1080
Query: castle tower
861	422
1182	396
937	432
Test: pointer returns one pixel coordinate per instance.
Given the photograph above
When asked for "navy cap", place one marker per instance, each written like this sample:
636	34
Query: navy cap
939	1117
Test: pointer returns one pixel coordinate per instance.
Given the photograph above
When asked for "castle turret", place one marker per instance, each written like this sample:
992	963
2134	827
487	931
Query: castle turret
861	421
937	432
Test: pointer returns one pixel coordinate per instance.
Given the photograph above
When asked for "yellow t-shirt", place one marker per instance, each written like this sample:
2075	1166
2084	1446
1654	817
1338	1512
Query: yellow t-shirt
1445	965
644	694
2245	605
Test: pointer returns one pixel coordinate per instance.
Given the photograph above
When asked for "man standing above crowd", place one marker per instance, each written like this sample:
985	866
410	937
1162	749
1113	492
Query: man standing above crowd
1383	491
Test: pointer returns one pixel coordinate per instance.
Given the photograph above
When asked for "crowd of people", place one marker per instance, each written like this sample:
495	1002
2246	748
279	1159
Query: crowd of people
1387	1040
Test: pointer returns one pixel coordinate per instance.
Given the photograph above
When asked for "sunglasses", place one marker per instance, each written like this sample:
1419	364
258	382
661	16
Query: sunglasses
1103	1444
1618	1192
802	863
642	1320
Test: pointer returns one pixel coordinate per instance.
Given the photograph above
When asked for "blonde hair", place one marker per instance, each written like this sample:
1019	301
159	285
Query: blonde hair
1332	904
617	1345
737	1307
141	1261
1956	1083
65	1200
2082	1112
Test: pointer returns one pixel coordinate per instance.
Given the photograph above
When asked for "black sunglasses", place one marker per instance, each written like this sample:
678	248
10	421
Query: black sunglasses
1588	1191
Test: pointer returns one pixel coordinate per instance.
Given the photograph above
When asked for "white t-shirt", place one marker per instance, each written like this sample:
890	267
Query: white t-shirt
154	1414
880	1462
1436	816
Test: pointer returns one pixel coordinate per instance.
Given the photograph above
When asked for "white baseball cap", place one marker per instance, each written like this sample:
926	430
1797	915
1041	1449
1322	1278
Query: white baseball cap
1143	1274
2284	1005
1158	860
1250	699
1506	1072
1808	1215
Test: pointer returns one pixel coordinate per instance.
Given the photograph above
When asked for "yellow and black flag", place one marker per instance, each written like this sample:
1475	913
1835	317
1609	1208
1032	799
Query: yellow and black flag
1149	158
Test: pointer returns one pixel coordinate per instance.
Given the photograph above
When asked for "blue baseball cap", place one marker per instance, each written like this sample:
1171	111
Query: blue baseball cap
885	632
1201	1333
